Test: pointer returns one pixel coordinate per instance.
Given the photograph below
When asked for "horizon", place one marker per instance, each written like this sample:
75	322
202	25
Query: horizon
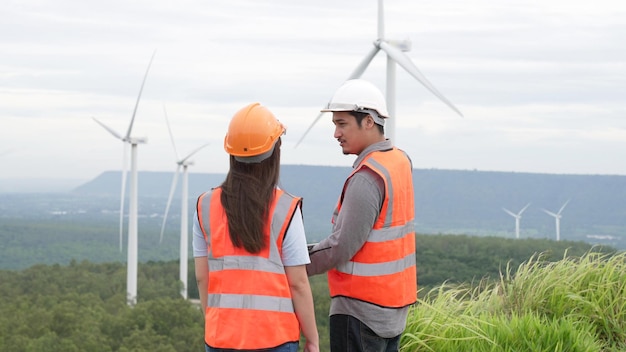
60	185
451	201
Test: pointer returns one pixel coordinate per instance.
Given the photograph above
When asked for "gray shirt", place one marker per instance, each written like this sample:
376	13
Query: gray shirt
363	199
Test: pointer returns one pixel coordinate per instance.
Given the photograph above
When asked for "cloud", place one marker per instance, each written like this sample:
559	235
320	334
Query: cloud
541	84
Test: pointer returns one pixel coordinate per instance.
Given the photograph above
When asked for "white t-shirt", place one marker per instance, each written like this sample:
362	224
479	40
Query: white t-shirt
295	251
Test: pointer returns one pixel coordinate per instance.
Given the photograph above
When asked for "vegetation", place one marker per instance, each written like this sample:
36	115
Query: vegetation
575	304
81	306
59	241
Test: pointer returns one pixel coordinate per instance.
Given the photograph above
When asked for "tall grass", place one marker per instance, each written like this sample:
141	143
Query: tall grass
574	304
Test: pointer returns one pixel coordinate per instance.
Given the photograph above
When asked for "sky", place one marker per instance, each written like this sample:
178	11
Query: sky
541	84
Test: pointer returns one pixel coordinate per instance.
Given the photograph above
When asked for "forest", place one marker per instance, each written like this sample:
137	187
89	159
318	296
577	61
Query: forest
80	306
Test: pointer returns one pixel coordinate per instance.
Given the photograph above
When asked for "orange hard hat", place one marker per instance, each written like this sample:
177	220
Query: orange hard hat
252	134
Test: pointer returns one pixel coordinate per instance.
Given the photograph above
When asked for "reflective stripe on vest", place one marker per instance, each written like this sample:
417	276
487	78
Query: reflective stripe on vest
387	259
388	189
249	303
386	268
257	302
245	263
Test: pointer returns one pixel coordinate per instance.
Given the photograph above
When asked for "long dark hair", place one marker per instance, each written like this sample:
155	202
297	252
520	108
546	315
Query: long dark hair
246	196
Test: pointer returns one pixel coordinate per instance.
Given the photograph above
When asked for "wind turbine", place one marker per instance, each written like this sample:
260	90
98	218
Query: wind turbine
131	271
517	217
182	163
557	218
395	55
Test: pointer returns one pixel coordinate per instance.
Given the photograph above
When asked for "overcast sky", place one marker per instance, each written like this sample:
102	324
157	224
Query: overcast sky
541	84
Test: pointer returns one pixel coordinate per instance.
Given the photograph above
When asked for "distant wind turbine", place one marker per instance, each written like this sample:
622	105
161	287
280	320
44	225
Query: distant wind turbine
557	218
131	272
181	163
517	217
395	55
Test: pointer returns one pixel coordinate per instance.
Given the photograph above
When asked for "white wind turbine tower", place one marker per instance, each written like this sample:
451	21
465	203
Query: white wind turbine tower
557	218
131	271
184	228
517	217
395	55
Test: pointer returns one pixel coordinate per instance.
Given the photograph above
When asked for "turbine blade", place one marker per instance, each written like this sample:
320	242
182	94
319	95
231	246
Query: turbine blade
405	62
108	129
193	152
169	202
524	208
167	122
358	71
510	212
355	74
550	213
308	129
132	120
563	207
123	192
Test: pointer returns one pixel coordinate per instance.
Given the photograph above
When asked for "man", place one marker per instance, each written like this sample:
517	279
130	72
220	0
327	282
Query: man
370	254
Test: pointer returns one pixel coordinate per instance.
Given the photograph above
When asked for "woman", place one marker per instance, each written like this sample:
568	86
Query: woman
250	249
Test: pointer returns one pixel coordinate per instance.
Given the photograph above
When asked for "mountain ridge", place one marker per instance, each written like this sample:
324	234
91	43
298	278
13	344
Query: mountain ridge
446	201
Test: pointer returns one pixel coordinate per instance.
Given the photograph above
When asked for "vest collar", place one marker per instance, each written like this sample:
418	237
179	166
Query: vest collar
380	146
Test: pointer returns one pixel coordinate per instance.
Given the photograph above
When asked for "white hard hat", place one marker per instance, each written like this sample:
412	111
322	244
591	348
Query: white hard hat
359	95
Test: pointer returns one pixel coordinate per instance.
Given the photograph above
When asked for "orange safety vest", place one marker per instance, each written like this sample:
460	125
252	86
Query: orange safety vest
249	302
383	271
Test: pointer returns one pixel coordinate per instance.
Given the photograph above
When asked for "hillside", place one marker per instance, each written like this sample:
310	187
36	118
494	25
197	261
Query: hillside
447	201
80	305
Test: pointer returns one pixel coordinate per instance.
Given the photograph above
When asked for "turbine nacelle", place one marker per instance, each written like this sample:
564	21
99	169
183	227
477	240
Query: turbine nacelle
557	216
136	140
403	45
185	162
519	214
511	213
